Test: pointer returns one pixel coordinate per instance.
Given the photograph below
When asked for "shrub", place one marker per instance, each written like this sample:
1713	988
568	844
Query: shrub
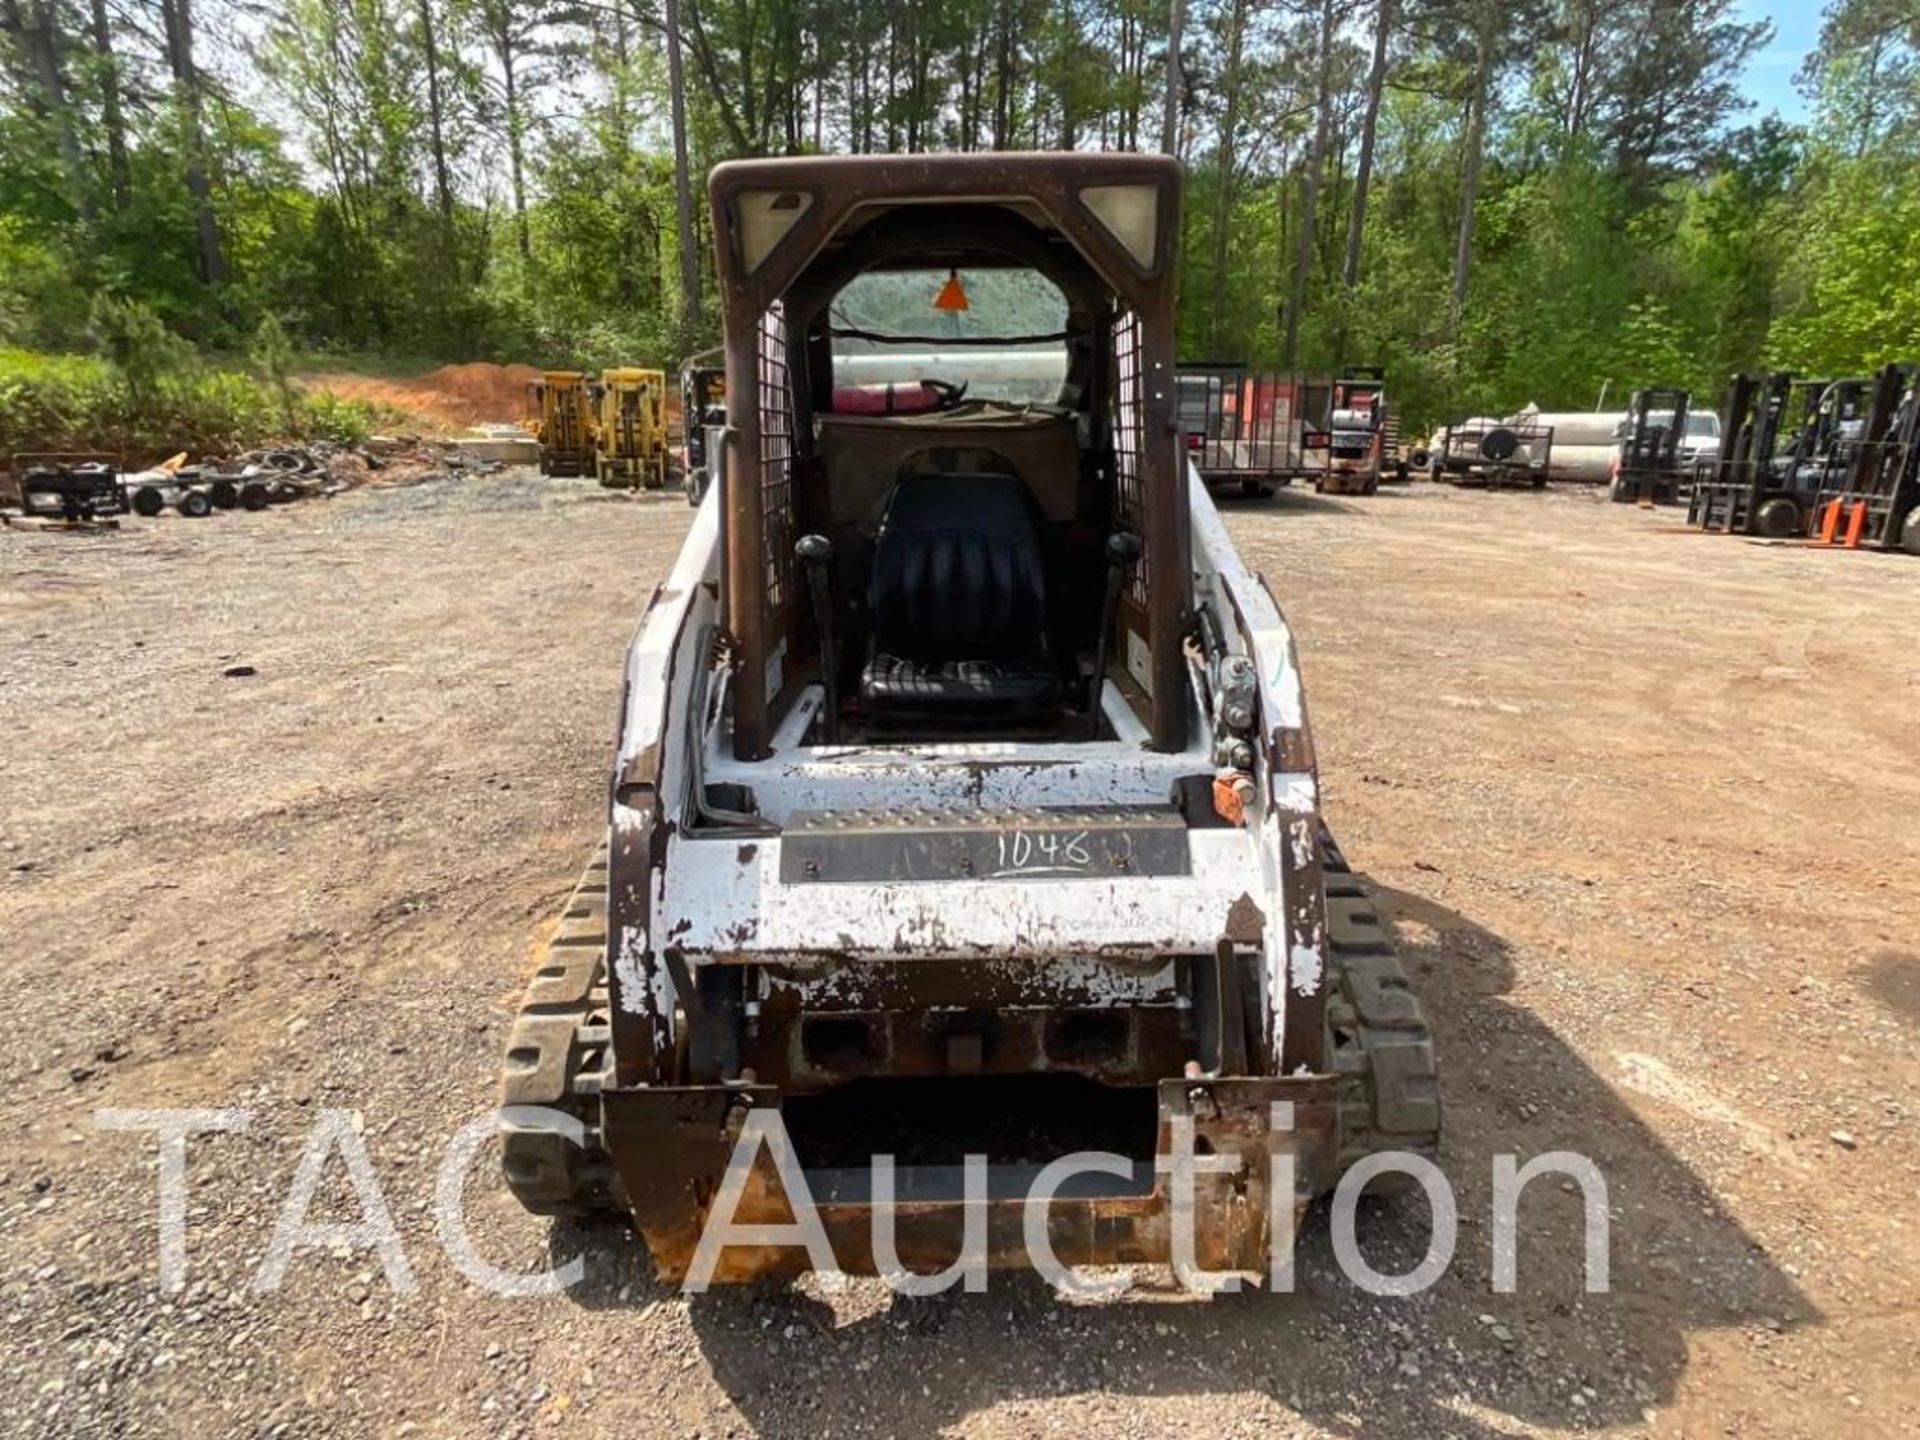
76	402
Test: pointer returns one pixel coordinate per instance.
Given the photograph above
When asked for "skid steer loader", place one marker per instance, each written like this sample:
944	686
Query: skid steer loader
630	438
964	802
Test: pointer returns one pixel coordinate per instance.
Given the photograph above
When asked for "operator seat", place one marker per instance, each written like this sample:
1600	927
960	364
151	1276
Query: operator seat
957	601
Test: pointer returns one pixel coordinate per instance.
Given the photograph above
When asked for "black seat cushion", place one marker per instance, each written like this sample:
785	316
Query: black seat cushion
892	683
957	599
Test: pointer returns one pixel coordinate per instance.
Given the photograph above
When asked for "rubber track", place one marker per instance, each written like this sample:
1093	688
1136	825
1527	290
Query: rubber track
1379	1040
558	1051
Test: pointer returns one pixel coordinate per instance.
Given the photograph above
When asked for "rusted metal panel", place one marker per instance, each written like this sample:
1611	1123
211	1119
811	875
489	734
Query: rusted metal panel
1304	1043
672	1145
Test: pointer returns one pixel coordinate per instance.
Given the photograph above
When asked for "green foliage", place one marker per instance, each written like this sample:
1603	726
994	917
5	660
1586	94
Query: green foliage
494	179
272	354
38	296
76	402
139	350
1853	284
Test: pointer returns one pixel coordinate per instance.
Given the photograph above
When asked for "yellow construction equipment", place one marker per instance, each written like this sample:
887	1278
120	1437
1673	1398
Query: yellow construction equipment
565	432
630	446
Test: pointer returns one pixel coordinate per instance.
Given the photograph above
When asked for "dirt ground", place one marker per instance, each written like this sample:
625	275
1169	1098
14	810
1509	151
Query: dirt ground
1643	805
443	401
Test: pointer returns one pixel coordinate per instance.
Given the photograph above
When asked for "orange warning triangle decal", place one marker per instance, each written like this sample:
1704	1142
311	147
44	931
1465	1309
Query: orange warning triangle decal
953	295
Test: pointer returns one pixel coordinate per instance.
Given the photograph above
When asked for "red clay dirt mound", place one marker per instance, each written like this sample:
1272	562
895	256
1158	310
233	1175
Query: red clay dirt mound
452	397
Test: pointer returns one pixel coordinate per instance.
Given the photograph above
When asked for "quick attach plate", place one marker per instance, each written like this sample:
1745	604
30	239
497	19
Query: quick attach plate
1095	842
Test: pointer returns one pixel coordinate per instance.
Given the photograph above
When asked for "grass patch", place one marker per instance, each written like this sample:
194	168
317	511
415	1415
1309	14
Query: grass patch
78	402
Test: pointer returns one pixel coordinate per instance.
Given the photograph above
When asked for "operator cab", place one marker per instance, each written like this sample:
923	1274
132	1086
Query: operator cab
961	527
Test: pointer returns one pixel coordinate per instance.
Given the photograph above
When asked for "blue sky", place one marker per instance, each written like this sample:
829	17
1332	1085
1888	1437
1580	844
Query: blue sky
1769	77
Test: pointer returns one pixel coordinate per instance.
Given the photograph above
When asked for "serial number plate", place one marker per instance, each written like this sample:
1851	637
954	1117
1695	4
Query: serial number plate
1085	843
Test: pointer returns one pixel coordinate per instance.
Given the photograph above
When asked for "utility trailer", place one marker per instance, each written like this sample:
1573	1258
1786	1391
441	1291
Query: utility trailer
964	803
1649	467
1247	429
1255	430
1488	453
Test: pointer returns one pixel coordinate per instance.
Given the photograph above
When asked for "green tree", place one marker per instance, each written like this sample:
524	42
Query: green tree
272	355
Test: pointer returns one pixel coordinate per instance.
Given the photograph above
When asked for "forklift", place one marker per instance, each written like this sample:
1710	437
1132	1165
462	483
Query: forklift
703	408
565	429
1648	468
1870	495
630	438
1356	412
1762	482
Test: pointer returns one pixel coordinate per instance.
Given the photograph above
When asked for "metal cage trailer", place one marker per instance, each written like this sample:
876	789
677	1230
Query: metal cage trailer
1247	428
1494	453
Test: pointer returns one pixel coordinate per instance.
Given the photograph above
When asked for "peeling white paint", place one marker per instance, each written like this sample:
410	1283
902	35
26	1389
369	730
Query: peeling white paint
1306	969
661	990
718	903
1296	793
1276	958
1300	841
662	630
628	959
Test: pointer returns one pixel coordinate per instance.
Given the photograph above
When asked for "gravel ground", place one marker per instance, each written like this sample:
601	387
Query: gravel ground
289	796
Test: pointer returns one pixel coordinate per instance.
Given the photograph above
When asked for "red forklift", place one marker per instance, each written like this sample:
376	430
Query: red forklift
1356	415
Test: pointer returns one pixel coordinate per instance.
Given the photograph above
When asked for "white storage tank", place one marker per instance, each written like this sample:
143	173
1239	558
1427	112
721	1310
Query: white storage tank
1583	442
